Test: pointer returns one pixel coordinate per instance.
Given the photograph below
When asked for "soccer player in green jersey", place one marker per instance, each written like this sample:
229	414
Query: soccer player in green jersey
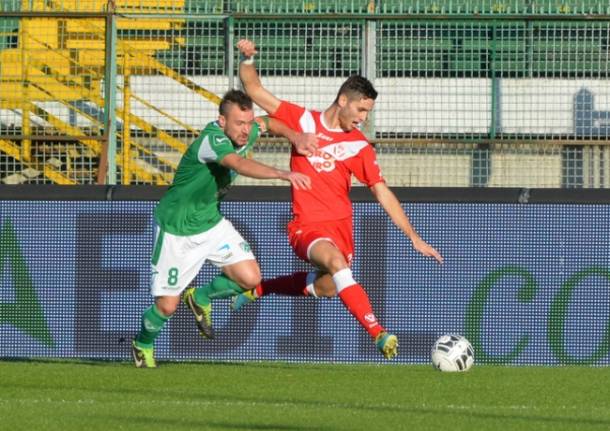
190	228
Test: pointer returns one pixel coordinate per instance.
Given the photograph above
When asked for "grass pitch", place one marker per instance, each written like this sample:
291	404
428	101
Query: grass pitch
277	396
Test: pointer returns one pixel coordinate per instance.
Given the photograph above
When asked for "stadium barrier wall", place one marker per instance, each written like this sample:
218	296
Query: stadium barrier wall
526	277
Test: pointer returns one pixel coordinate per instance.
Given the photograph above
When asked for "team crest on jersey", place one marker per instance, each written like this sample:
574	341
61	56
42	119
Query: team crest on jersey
245	246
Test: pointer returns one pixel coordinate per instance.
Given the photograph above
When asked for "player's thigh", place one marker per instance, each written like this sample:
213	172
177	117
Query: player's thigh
246	273
234	256
327	256
176	262
329	245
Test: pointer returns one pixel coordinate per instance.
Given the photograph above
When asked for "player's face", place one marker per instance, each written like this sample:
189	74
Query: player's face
237	124
354	112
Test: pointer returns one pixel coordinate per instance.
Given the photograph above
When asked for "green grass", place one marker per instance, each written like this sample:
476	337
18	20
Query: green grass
278	396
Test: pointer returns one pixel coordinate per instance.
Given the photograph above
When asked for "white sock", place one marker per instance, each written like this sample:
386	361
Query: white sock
309	281
343	279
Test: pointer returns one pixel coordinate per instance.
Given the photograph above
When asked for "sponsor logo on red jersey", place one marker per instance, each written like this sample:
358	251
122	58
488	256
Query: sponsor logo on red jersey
324	158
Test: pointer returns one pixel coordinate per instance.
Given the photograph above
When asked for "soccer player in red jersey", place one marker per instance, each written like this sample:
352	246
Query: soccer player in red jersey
321	229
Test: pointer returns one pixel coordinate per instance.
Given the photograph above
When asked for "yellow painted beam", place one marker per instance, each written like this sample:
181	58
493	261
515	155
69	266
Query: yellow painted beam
64	127
176	144
100	5
171	73
87	26
57	177
122	45
11	149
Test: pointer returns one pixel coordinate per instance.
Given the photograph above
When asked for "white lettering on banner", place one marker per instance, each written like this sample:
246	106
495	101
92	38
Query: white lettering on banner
324	158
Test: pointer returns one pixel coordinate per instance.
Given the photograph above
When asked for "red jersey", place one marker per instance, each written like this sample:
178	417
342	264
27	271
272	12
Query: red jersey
340	155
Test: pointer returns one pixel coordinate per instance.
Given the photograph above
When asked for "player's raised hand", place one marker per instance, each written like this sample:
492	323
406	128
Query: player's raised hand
247	47
262	126
306	144
299	181
426	249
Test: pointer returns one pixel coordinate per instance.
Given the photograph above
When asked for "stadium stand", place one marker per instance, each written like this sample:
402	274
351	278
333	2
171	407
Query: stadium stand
173	59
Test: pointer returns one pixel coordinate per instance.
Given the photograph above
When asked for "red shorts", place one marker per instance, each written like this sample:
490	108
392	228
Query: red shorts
303	236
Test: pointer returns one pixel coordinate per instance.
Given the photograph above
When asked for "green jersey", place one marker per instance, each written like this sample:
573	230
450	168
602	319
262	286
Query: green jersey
191	204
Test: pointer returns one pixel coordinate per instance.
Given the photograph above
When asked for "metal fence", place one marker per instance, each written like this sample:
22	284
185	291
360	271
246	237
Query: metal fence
472	93
362	7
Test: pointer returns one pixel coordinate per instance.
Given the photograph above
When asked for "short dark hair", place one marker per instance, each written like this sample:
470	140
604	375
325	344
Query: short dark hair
235	97
357	87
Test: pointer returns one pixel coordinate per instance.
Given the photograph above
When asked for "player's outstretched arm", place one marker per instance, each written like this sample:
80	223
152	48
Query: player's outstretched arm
304	143
250	79
387	199
254	169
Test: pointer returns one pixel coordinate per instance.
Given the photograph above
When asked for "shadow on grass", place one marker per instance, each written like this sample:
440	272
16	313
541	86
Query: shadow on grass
190	423
64	361
172	364
563	420
505	419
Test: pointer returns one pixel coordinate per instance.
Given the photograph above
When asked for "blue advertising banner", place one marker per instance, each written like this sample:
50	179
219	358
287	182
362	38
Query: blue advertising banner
525	283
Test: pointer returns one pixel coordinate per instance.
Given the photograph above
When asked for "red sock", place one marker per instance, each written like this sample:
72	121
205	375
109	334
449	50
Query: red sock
290	285
357	302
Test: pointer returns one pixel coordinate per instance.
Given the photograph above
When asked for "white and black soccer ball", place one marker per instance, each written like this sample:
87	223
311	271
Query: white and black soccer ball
452	353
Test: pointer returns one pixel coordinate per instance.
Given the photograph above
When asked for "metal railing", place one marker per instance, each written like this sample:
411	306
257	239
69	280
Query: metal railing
472	93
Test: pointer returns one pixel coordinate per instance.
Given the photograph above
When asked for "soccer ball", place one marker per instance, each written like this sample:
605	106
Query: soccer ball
452	353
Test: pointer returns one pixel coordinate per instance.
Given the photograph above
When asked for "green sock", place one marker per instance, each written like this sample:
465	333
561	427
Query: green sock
220	287
152	324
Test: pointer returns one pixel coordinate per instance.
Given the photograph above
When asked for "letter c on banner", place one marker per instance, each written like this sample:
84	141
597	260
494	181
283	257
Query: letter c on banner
476	310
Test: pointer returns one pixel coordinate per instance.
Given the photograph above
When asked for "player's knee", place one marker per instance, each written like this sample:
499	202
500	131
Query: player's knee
336	263
167	308
250	280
